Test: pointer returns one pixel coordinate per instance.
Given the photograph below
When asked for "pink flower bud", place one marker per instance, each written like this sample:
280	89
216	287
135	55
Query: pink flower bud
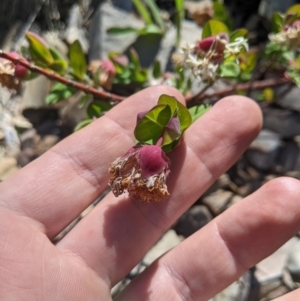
296	24
21	72
104	72
121	59
108	67
217	42
142	171
205	44
152	160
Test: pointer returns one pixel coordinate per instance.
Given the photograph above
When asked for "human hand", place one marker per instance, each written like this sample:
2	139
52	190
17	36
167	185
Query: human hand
45	196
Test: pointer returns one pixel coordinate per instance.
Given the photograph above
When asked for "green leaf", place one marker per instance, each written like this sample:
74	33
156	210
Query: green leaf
230	70
178	108
59	92
152	125
38	48
134	58
83	124
172	102
168	147
242	32
143	11
295	76
97	108
277	22
197	111
248	61
156	14
213	28
52	98
58	87
122	30
77	60
178	18
83	100
140	76
150	29
221	14
56	54
32	75
245	76
295	9
298	62
269	94
156	71
59	66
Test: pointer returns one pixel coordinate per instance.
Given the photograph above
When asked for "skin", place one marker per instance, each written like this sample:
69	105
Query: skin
46	195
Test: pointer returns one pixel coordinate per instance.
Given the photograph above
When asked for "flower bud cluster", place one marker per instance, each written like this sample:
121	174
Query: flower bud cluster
142	171
104	72
11	72
205	57
289	36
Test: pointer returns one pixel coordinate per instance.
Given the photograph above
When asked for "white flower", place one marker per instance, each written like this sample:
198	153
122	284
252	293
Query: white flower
290	37
237	46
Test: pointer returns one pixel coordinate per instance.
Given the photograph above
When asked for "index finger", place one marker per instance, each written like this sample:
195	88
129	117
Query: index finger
57	187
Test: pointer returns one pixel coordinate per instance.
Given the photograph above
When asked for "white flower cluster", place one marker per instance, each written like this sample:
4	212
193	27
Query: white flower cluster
289	37
202	68
206	64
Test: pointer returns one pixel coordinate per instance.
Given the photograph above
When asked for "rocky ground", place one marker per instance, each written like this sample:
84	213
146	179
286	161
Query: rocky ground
29	128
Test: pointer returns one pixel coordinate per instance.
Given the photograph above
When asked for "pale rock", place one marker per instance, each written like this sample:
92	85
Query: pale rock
293	261
75	30
263	151
35	93
168	241
284	122
218	201
272	267
107	16
8	166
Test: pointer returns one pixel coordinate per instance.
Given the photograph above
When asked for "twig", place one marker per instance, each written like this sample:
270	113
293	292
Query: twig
261	71
191	100
54	76
256	85
196	96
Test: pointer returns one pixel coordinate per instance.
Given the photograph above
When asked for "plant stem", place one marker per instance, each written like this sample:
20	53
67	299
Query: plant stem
54	76
191	100
256	85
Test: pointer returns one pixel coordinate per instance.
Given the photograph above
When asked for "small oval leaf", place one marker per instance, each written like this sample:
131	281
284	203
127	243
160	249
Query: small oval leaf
177	108
38	48
230	70
97	108
277	22
152	125
83	124
165	99
242	32
59	66
77	60
198	111
214	28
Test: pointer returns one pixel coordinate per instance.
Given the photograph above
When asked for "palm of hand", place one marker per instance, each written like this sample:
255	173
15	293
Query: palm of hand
44	197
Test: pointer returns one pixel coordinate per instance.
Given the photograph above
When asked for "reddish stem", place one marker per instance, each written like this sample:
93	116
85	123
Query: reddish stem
194	99
256	85
54	76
